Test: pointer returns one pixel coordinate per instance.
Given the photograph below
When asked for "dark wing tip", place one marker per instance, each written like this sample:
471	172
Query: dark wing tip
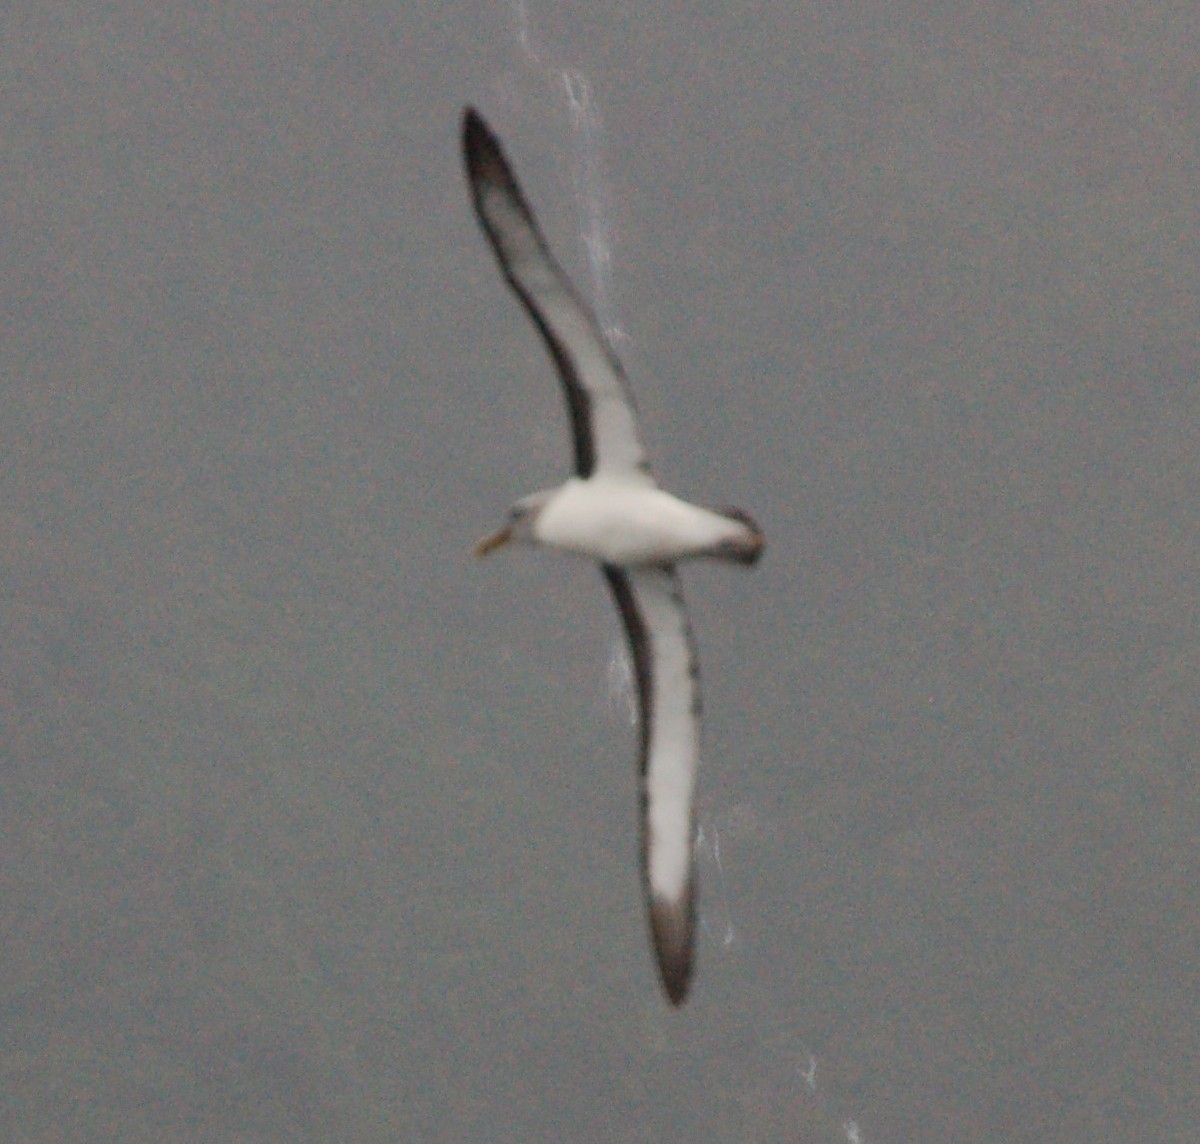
672	925
474	127
481	149
487	169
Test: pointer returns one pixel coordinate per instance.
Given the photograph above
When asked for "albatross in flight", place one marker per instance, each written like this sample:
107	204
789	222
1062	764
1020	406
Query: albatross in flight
613	510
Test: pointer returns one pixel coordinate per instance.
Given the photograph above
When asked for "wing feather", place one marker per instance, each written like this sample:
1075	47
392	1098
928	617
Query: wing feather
604	427
650	602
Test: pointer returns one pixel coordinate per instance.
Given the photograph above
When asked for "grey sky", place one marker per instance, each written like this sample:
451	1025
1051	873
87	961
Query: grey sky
315	829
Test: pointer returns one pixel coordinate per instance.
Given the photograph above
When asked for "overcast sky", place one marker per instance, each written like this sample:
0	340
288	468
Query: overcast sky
316	829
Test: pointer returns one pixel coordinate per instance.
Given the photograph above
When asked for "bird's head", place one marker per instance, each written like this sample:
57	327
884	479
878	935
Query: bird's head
522	518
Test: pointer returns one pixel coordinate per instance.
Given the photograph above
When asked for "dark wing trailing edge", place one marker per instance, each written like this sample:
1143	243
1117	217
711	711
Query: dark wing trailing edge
603	421
668	688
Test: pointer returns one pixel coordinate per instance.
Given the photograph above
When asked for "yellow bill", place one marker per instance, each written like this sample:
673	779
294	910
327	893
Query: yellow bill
497	540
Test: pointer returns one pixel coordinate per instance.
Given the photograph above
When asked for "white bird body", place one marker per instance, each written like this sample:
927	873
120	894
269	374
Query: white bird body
617	521
614	512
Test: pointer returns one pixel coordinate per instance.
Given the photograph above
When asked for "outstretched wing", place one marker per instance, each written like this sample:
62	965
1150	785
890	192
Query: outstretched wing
603	420
665	667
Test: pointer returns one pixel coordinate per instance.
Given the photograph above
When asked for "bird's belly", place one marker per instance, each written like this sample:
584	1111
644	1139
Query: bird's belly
628	525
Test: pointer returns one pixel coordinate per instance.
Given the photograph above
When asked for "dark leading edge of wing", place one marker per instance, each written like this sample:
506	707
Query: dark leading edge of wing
669	711
603	424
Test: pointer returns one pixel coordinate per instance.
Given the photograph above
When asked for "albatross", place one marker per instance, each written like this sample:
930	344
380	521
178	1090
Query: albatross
614	511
